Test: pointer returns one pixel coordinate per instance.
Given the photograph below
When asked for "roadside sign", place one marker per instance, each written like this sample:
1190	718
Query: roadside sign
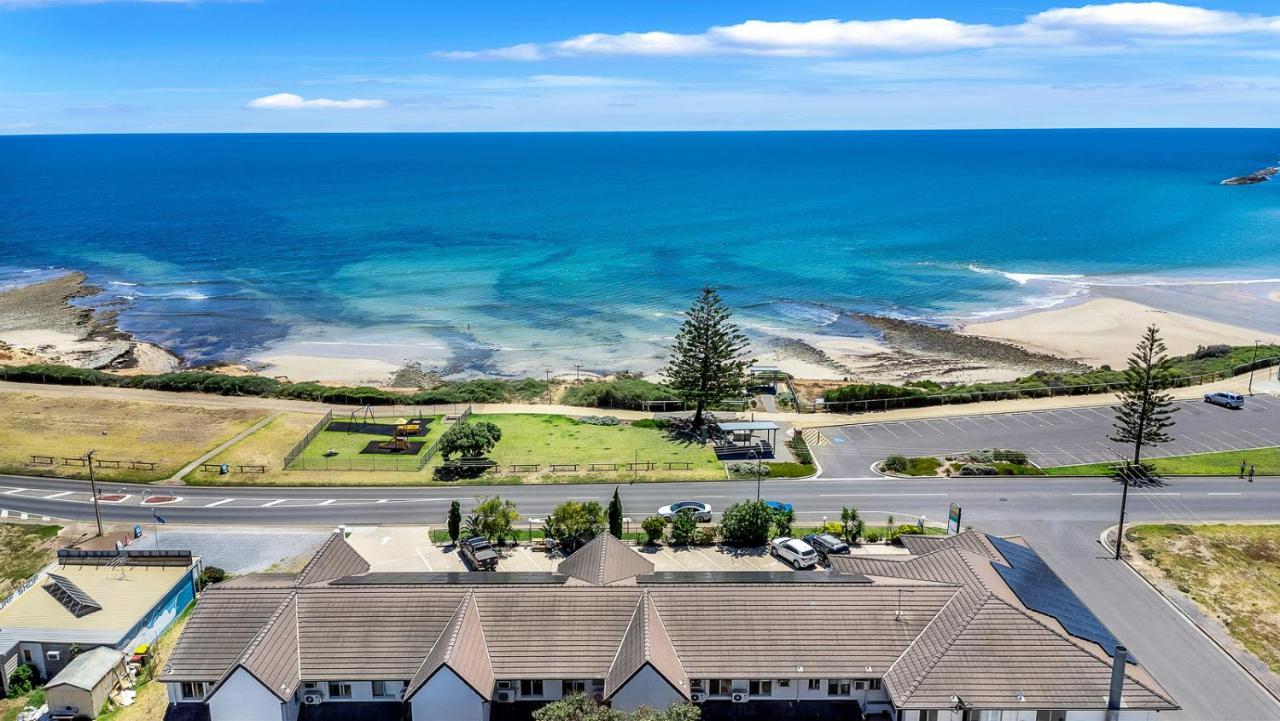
953	520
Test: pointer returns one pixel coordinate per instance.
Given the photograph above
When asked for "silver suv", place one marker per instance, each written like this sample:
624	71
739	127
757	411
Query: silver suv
1225	399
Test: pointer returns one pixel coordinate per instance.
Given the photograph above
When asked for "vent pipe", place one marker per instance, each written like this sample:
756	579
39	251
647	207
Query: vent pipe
1119	660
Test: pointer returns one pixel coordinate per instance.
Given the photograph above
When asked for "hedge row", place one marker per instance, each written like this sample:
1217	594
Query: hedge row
473	391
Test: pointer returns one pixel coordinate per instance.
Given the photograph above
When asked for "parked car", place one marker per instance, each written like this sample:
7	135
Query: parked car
778	506
827	545
701	511
794	551
479	554
1225	399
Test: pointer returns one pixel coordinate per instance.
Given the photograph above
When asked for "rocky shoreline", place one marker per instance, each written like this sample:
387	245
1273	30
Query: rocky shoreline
40	323
1258	176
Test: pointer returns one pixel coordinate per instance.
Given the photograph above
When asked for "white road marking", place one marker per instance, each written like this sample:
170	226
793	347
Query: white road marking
325	503
1223	493
1132	493
57	495
218	503
15	490
880	495
276	502
424	558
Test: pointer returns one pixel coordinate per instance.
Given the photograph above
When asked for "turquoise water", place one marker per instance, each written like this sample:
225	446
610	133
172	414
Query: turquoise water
513	252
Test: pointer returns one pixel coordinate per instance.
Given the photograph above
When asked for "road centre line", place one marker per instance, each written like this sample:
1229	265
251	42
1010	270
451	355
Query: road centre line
57	495
1132	493
1224	493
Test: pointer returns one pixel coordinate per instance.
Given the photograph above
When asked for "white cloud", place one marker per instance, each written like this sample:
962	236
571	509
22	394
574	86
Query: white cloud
291	101
584	81
831	37
1154	18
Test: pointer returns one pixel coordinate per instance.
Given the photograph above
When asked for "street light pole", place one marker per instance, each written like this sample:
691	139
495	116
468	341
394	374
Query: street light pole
1124	500
1253	364
93	488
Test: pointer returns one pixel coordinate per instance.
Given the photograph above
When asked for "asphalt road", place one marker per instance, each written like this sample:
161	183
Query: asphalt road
1050	438
1061	517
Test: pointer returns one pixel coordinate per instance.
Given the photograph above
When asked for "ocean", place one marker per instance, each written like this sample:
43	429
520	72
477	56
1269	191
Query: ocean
514	253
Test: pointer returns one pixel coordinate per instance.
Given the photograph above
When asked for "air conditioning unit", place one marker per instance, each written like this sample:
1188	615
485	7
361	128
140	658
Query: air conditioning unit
312	699
53	655
698	696
740	697
505	695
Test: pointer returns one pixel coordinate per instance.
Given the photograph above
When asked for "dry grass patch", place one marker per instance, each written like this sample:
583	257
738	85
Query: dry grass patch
169	435
1231	571
24	549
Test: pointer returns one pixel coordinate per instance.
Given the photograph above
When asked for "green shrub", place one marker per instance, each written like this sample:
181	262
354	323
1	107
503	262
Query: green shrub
984	455
867	391
654	527
22	680
212	574
599	420
896	464
684	529
789	470
800	449
1018	458
872	536
705	536
903	529
977	469
749	469
746	524
621	393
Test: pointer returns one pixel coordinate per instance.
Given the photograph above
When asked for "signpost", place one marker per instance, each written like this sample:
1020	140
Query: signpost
953	520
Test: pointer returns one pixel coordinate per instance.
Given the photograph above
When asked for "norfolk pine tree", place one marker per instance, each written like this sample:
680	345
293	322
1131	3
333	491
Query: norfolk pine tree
706	364
615	515
1144	414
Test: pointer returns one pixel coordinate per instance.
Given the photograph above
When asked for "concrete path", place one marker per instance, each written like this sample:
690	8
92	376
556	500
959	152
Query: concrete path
177	478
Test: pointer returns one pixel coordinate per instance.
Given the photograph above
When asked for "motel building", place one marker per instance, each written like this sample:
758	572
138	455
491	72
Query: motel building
970	627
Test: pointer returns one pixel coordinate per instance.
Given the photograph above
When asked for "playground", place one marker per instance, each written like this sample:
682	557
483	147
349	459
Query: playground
355	441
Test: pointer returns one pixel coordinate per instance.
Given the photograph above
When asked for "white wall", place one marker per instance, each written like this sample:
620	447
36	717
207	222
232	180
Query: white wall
447	698
360	691
1030	715
242	698
646	688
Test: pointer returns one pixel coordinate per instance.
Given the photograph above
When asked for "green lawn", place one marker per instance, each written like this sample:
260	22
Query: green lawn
1265	460
1231	571
547	439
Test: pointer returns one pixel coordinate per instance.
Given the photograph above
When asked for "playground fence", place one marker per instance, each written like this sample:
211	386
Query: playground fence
361	463
301	445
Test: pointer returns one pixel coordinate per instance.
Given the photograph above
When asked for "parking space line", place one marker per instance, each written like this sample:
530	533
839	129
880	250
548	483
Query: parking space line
425	562
1211	449
215	504
953	425
885	427
1265	441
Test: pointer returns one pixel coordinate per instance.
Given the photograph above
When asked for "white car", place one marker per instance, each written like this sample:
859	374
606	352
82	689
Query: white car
794	551
1235	401
701	511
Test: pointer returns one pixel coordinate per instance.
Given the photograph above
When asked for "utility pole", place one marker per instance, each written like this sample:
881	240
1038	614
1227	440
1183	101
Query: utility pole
1253	364
1124	499
93	488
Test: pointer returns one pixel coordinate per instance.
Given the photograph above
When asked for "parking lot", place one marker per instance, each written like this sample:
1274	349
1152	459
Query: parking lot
406	548
1050	438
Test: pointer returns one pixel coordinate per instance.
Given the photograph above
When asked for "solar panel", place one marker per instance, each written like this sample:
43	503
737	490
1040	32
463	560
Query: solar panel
71	596
691	577
448	578
1040	589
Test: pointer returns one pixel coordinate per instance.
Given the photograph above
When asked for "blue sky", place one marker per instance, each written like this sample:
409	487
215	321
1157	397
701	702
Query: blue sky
418	65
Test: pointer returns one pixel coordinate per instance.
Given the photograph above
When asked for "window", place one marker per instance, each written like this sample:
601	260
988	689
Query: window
531	687
859	685
26	655
386	689
193	690
339	689
815	684
981	715
568	688
760	688
1051	716
930	715
839	687
719	687
784	683
873	684
309	684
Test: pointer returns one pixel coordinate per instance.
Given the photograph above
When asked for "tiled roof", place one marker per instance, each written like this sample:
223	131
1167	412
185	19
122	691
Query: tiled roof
223	624
335	559
646	643
603	561
974	541
272	657
461	648
932	626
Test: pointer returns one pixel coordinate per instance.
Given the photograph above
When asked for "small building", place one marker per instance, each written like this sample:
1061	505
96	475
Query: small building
740	438
83	687
86	599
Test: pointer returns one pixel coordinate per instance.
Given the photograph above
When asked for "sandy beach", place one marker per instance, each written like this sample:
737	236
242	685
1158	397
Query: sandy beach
1103	331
